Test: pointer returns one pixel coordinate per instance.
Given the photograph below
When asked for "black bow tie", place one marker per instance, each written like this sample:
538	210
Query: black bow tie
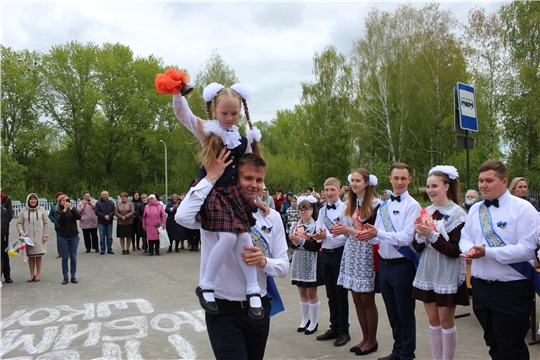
495	203
331	206
395	198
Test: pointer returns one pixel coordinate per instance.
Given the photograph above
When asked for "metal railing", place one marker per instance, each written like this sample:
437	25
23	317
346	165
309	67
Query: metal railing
17	206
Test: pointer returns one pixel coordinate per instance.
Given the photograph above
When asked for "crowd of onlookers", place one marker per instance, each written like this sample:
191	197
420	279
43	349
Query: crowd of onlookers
141	220
138	225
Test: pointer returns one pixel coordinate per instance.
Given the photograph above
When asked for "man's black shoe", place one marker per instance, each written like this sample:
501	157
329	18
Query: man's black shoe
110	252
342	339
328	335
9	280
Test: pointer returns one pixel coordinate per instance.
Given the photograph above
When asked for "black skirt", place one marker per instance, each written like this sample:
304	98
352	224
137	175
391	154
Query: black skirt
124	231
443	300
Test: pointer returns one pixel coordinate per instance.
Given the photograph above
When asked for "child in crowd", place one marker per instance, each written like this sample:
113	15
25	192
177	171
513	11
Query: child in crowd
228	209
306	264
332	251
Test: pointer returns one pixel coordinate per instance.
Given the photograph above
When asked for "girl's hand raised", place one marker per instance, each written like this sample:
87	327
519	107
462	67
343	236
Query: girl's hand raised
217	167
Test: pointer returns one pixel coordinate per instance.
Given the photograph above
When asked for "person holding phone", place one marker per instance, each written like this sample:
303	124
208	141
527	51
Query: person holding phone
89	222
68	235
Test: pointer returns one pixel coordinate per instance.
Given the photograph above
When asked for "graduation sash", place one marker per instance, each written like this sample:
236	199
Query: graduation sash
406	251
328	223
271	289
494	240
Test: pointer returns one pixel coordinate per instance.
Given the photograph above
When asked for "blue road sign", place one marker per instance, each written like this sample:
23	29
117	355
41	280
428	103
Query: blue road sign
467	107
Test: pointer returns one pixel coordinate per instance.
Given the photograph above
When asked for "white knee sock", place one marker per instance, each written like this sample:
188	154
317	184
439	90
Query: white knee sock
250	272
217	257
435	337
449	338
314	315
304	310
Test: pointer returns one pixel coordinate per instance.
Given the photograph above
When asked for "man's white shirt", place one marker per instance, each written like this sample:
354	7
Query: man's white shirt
403	213
335	215
519	232
230	281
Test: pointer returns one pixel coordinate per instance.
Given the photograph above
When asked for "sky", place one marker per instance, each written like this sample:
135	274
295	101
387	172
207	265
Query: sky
269	45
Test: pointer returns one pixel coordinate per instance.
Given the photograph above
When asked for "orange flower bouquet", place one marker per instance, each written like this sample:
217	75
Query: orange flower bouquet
172	82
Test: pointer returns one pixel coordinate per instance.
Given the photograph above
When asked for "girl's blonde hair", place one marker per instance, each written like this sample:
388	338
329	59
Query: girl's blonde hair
212	144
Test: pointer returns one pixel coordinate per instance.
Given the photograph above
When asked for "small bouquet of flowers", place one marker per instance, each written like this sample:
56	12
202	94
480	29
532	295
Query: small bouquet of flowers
19	246
428	219
357	222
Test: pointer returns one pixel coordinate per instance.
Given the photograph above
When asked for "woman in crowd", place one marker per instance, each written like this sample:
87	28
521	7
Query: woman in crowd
174	230
139	210
322	200
306	263
359	264
33	223
440	278
68	234
136	200
153	217
124	212
386	195
520	188
88	223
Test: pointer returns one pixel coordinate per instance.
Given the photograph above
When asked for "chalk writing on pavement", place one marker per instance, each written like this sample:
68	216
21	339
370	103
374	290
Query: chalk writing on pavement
117	327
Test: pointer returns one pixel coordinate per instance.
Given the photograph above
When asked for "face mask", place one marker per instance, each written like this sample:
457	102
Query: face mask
470	202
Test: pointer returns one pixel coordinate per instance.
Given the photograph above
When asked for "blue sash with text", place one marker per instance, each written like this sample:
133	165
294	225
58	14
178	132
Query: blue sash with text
494	240
328	223
271	288
407	251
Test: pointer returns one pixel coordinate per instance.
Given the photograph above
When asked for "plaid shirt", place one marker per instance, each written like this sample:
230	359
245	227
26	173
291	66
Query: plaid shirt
293	214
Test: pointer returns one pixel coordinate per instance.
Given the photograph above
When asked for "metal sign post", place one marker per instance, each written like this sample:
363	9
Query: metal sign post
465	119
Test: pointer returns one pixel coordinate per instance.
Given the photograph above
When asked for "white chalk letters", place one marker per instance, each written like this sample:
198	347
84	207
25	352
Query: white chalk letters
110	330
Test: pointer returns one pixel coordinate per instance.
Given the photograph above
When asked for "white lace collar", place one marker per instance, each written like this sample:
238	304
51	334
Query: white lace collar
231	137
374	202
444	209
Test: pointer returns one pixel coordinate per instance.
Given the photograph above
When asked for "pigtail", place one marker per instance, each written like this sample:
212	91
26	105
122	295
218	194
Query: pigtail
209	110
255	146
211	144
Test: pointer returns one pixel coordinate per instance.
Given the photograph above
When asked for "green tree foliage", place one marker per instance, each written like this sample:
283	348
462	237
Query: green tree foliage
488	55
24	135
328	112
405	68
13	176
87	116
286	151
522	113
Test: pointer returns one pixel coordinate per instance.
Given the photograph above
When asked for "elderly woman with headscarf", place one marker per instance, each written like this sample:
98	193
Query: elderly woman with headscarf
33	223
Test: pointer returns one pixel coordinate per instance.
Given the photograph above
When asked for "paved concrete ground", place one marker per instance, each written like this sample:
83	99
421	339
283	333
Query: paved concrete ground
141	307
